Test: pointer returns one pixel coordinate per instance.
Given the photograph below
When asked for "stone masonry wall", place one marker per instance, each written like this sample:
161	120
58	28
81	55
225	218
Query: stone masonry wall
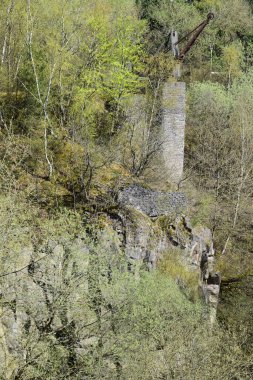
152	202
173	130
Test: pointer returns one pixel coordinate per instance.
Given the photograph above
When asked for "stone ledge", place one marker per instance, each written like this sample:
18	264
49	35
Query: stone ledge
151	202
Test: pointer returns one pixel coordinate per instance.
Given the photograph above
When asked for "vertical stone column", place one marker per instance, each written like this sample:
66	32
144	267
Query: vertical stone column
173	130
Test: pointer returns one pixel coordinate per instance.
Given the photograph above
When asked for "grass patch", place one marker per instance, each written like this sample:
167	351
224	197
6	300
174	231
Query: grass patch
175	266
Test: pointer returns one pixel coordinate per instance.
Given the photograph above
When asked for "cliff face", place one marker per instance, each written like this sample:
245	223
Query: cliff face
47	298
146	241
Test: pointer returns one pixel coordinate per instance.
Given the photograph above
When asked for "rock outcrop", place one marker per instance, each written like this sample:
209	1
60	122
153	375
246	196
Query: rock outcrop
44	297
144	240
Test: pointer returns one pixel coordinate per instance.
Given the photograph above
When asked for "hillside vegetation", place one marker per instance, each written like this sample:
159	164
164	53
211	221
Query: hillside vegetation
71	74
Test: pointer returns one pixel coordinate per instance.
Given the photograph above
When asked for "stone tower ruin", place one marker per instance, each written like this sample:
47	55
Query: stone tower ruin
173	130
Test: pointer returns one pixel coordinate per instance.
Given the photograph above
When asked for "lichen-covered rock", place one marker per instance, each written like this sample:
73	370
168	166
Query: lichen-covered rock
30	299
141	238
146	239
198	252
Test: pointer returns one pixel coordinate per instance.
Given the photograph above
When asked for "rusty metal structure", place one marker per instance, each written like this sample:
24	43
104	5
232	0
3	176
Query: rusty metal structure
194	34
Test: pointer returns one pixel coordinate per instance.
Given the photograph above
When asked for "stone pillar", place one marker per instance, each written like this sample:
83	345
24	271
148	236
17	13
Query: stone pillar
173	130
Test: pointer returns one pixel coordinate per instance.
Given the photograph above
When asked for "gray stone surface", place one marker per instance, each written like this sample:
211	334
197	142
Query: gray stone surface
173	130
152	202
198	254
143	240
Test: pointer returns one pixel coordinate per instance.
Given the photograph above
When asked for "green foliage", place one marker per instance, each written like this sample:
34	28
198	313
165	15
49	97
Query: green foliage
64	76
111	71
67	75
219	149
209	138
187	278
233	60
